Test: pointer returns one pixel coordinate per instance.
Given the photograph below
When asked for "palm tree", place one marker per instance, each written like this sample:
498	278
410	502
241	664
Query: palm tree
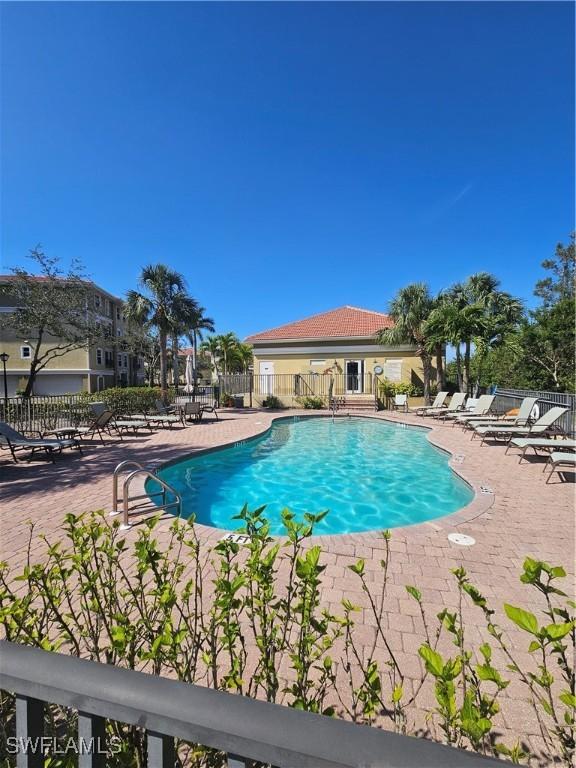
199	324
154	307
453	322
241	358
212	346
183	316
228	343
410	309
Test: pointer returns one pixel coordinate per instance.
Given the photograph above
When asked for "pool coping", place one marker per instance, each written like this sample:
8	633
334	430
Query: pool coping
480	504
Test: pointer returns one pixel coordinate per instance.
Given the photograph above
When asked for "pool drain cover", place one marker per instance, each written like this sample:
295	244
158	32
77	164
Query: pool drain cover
461	539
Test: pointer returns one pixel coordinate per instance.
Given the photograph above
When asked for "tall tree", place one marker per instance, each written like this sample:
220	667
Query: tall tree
211	345
560	284
241	358
410	309
196	330
155	307
184	312
53	310
228	343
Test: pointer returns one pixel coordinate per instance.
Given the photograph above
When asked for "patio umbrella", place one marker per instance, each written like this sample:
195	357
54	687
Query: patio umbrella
189	375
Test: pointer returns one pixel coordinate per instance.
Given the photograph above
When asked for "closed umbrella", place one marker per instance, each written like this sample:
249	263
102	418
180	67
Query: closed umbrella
189	374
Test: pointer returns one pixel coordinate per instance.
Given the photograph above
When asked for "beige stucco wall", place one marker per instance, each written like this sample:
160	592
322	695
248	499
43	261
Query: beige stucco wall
291	360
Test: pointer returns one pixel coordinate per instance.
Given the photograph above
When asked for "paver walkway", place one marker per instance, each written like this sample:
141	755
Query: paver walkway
520	516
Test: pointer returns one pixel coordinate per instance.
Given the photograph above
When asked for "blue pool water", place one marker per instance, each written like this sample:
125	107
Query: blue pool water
369	474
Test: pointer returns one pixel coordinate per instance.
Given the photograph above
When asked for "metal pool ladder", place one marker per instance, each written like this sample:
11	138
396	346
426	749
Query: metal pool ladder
128	475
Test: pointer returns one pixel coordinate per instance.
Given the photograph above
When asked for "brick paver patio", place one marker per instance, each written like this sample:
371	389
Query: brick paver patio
521	516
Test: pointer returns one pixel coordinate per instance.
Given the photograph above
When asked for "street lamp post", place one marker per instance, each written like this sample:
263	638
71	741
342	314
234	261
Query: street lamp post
4	357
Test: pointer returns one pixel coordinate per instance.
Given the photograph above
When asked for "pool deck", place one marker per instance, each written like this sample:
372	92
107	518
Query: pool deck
514	514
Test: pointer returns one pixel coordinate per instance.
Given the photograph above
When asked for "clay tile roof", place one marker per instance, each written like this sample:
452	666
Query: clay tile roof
344	322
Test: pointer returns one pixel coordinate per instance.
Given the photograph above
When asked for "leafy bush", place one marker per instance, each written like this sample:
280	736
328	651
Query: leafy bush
387	389
271	401
312	403
226	400
126	399
224	615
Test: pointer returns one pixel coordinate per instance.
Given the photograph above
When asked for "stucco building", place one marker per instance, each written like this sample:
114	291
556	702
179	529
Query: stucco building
300	358
90	368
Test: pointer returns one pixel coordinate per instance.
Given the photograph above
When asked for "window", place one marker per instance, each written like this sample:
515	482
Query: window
99	356
317	362
25	352
125	361
118	332
97	300
120	361
117	313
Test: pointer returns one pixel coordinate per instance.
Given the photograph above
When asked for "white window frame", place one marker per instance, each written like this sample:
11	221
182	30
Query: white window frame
22	355
317	362
99	356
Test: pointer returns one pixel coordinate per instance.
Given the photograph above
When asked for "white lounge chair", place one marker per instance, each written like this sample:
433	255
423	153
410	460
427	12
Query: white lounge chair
481	407
522	418
560	459
439	400
13	440
455	406
549	444
544	426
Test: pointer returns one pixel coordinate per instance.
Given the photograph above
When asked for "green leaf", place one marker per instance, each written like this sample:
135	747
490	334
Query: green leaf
557	631
397	694
569	699
358	567
523	619
432	660
416	594
534	646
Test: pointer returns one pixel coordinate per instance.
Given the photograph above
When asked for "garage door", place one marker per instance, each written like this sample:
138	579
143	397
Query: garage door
50	384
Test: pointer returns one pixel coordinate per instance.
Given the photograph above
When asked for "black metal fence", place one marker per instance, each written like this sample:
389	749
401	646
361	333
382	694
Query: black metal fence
244	729
512	398
300	384
43	413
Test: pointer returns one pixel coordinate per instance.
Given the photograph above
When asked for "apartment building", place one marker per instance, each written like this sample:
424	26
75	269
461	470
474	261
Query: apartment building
90	368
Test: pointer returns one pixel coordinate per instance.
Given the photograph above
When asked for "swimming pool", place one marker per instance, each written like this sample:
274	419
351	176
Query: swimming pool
370	475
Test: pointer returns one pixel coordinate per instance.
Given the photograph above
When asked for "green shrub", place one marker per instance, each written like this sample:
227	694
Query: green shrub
226	400
271	401
224	615
387	389
127	399
311	402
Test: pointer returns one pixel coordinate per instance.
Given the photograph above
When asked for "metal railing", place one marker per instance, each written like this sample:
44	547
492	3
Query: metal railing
243	728
205	394
511	398
43	413
314	384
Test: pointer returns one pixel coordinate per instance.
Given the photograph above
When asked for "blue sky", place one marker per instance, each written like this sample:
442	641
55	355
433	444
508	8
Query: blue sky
289	157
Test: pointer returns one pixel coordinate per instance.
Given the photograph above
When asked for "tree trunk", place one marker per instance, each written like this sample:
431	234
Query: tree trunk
466	381
427	370
194	342
459	367
162	338
440	373
34	365
175	363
